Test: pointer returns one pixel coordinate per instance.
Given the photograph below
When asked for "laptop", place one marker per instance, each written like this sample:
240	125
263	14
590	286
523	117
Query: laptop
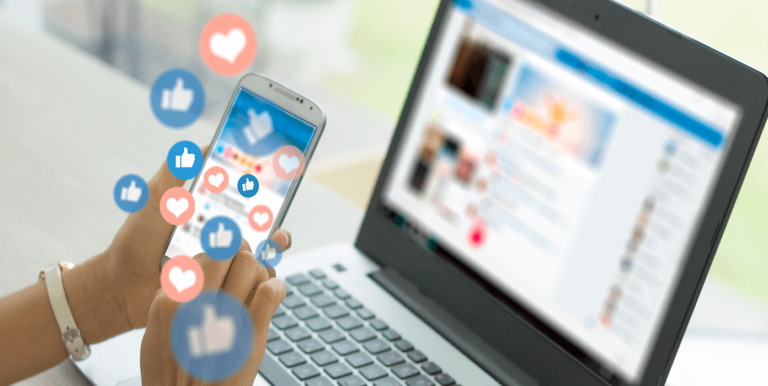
547	212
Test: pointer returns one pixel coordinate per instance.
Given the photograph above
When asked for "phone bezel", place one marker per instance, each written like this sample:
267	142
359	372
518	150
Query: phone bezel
291	102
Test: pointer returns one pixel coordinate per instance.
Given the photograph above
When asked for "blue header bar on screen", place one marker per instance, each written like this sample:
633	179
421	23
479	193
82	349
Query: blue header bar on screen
519	32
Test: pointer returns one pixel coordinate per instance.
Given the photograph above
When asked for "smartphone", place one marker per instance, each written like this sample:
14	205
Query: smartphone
269	132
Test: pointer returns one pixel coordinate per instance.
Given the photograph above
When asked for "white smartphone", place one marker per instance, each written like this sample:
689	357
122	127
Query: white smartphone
269	132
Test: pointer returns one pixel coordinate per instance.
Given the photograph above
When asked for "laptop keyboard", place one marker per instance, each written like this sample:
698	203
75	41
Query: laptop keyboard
321	335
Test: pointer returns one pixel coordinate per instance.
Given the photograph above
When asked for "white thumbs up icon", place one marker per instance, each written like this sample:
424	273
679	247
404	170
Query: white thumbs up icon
216	335
222	238
268	253
248	185
178	98
185	160
130	193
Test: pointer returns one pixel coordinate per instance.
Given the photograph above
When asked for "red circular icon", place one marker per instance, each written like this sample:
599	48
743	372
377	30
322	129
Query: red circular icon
288	162
261	218
477	234
216	179
228	44
181	278
177	206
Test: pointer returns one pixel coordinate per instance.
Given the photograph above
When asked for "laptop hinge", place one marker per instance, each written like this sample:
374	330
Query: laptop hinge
485	356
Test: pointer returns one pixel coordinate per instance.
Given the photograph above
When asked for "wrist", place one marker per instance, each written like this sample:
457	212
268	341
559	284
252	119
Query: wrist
97	306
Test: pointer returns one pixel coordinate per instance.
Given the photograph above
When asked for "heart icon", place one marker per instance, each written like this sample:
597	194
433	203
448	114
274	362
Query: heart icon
182	279
289	164
228	47
216	179
260	218
177	207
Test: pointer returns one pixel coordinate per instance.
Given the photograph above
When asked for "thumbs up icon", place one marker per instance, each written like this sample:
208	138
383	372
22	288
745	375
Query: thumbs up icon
222	238
185	160
248	185
268	253
130	193
215	335
178	98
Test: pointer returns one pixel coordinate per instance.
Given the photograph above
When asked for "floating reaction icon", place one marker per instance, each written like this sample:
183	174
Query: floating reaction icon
216	179
177	206
248	185
212	336
228	44
288	162
268	253
131	193
261	218
259	126
177	98
185	160
220	238
181	278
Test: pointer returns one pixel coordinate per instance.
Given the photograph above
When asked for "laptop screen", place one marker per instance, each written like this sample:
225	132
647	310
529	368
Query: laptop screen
564	169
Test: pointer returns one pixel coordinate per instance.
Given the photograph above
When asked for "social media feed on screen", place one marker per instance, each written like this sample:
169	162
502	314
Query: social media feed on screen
254	160
562	175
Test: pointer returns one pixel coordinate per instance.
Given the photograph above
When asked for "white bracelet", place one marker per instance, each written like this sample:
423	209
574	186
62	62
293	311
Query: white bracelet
70	334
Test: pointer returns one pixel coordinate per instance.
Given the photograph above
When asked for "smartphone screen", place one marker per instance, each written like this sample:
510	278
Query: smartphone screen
257	138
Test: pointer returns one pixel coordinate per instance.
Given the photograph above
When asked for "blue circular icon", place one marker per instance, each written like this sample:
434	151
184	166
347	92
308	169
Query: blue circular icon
212	336
185	160
268	253
221	238
131	193
177	98
248	185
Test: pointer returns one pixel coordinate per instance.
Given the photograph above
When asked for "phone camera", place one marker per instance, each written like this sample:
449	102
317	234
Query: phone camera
597	17
301	101
270	85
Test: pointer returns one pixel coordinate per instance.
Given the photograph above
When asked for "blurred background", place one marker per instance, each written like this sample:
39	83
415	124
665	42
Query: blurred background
356	58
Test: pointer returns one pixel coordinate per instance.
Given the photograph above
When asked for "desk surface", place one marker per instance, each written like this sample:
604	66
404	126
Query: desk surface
71	126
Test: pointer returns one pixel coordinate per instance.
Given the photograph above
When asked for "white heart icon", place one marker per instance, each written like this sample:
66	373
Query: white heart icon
216	179
182	279
289	164
260	218
228	47
177	207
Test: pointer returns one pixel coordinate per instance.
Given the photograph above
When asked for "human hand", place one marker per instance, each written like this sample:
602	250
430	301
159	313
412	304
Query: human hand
241	277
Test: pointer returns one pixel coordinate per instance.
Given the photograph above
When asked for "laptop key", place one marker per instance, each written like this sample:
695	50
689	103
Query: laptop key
365	314
373	372
335	311
417	356
379	324
405	370
305	312
330	284
275	373
284	322
292	359
321	381
305	371
293	301
362	334
388	381
331	336
318	324
297	333
317	274
272	335
353	303
419	381
310	346
341	294
322	300
337	370
404	345
345	347
297	279
279	347
351	380
390	358
323	358
391	335
431	368
444	379
349	323
279	312
376	346
310	289
359	359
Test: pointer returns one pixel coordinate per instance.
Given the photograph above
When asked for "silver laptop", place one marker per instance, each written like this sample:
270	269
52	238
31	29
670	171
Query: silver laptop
548	209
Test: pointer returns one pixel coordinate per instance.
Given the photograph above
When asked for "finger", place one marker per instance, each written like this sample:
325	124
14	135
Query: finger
243	275
283	238
214	271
